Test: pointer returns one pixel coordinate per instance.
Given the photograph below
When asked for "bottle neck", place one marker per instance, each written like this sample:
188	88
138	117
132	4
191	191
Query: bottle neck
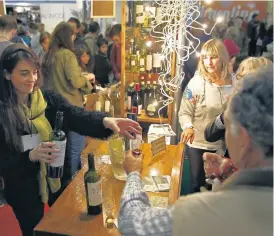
91	164
58	123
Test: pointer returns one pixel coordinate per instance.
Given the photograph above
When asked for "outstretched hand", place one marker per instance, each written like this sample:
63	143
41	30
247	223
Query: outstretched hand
123	126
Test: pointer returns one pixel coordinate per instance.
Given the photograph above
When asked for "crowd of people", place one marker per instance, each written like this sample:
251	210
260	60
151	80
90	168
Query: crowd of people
33	89
226	111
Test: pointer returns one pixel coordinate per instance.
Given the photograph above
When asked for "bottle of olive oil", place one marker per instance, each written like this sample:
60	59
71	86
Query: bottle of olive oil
93	187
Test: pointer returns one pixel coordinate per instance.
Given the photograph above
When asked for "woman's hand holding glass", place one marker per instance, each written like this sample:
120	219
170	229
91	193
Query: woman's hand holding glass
45	152
187	135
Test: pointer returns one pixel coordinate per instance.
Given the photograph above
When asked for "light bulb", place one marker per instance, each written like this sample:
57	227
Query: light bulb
204	26
148	44
219	19
198	54
208	1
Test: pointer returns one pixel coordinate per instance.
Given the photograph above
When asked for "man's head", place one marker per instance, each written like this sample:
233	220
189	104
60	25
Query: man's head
75	24
41	28
238	22
254	16
249	120
8	26
93	28
115	33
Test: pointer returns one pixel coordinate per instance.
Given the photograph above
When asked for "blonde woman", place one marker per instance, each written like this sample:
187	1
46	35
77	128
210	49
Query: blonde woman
203	100
215	130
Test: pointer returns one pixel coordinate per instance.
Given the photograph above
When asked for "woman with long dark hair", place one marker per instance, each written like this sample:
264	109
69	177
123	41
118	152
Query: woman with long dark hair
27	116
63	74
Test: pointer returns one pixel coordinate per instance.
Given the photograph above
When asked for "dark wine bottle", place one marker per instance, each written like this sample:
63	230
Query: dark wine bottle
130	12
93	187
58	136
137	101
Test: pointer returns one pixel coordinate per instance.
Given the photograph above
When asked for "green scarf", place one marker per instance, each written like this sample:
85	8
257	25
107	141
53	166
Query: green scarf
38	122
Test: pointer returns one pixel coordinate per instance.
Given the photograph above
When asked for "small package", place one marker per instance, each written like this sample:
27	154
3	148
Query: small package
159	183
157	130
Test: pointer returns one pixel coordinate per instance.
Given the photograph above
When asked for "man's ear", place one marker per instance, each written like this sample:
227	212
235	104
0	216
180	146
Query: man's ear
246	144
6	74
13	33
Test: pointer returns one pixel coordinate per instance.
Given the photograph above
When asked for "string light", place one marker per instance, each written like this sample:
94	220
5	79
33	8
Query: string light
176	17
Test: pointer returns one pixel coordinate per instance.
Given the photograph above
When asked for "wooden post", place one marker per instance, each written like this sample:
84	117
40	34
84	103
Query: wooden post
2	8
123	54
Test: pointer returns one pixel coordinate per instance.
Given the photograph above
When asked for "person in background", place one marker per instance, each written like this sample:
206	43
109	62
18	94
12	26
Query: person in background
86	28
91	39
26	110
76	27
243	204
110	43
82	31
35	39
21	32
252	35
41	28
102	69
45	39
240	40
85	60
8	28
203	99
63	75
231	36
215	130
115	55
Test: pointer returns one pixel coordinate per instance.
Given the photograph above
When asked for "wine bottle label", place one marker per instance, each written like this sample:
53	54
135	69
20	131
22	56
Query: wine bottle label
142	61
98	106
107	105
149	62
139	109
140	14
129	102
151	108
156	60
133	63
94	193
61	145
134	109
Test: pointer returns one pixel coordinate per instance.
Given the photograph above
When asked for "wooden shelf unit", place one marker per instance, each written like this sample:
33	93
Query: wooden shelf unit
128	76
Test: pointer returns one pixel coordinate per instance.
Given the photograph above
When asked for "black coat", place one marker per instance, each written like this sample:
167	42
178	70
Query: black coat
102	69
20	174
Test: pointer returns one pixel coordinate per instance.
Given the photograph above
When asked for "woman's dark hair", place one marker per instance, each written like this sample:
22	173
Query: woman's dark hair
61	38
43	36
115	30
12	121
101	40
79	51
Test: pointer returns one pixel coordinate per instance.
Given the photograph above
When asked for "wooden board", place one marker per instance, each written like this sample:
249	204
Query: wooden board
103	9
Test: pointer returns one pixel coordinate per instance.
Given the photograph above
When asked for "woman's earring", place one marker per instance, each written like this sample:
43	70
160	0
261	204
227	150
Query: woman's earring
6	75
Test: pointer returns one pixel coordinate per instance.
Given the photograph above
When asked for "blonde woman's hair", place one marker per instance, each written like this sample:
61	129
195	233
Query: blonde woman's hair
214	47
251	65
232	33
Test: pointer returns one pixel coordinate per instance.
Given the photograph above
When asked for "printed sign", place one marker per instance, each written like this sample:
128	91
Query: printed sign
158	145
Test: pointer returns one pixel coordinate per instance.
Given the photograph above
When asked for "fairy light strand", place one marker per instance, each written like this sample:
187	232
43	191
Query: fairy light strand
176	18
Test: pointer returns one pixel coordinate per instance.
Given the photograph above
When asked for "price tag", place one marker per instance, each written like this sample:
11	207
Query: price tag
158	145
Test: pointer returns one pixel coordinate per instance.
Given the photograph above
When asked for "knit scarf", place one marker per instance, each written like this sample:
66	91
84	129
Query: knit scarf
38	122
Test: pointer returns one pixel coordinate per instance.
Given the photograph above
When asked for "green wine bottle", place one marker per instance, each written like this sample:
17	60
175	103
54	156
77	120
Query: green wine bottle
58	136
93	187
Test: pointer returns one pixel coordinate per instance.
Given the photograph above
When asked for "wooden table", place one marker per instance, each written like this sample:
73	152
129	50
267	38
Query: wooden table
68	215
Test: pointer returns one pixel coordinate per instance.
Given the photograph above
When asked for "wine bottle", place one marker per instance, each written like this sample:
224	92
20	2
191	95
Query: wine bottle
142	92
149	61
152	103
58	136
98	104
157	60
107	103
147	93
134	65
137	101
142	61
93	187
130	93
139	12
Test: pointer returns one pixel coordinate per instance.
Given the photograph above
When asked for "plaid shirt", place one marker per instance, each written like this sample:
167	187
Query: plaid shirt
136	216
